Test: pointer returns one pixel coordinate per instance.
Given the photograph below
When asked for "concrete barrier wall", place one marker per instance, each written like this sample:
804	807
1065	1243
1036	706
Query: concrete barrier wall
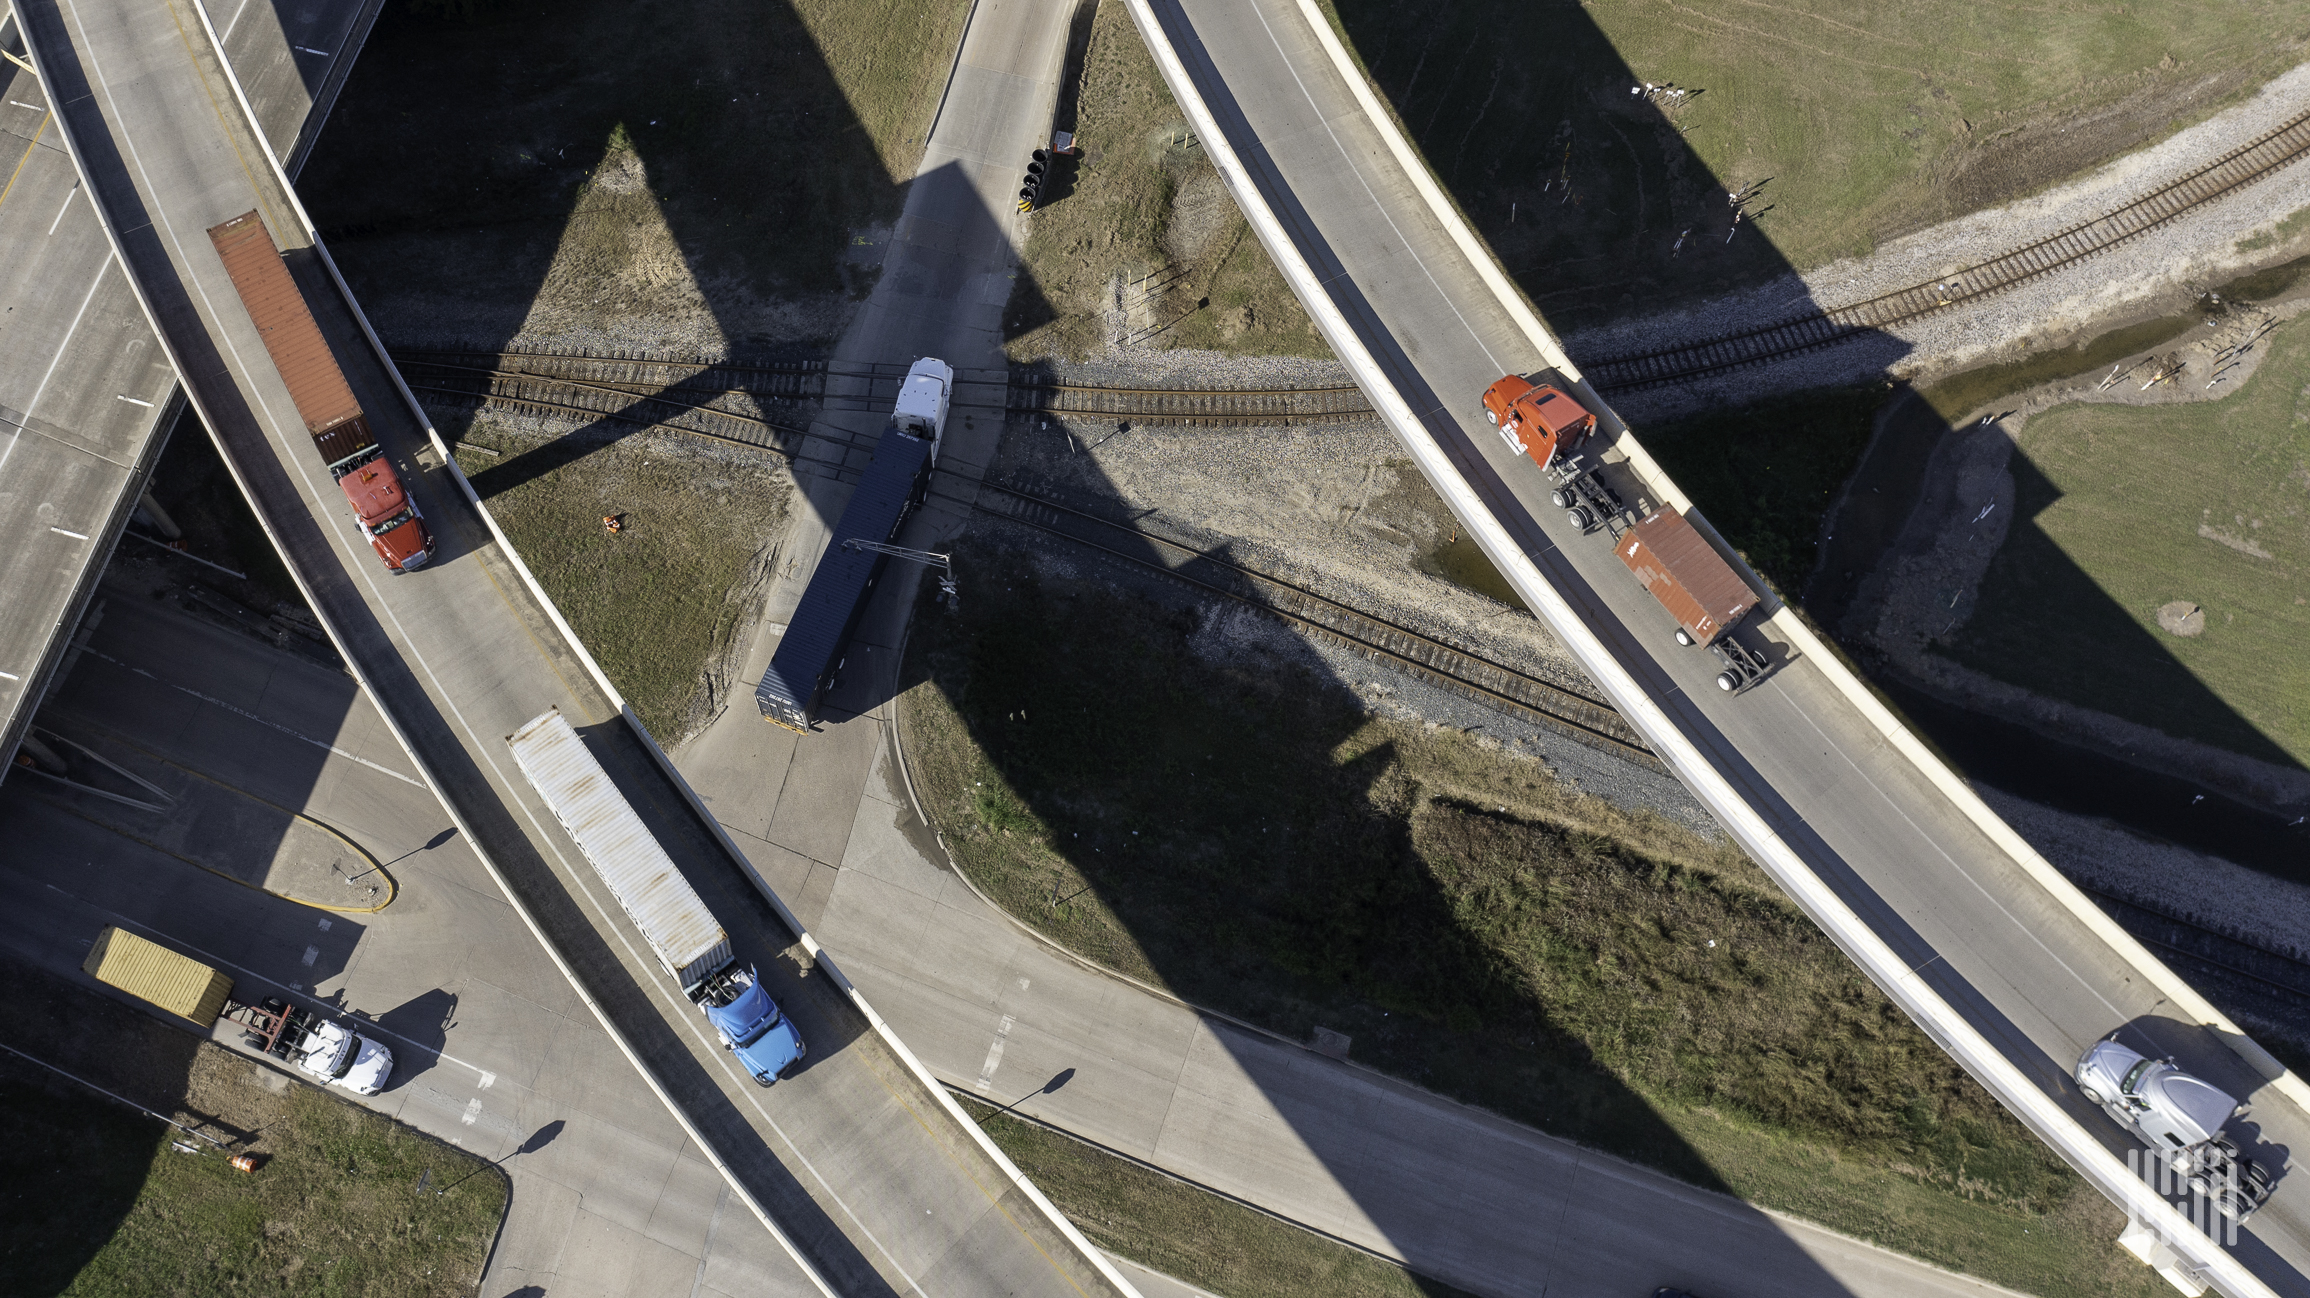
2188	1257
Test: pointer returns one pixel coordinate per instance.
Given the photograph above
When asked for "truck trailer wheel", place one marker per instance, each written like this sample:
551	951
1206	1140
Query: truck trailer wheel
1563	498
1728	682
1579	517
1684	637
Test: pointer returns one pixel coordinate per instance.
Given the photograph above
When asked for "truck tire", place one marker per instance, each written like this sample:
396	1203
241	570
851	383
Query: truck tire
1684	637
1728	682
1579	517
1491	418
2092	1096
1563	498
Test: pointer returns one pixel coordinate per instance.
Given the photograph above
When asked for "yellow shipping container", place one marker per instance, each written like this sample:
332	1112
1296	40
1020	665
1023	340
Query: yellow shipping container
148	971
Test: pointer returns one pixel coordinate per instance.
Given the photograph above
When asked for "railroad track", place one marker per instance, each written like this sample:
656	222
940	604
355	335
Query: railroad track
1220	407
1570	712
2231	951
686	396
698	382
2239	167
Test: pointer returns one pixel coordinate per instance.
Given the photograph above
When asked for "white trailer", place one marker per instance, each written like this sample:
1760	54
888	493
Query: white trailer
687	938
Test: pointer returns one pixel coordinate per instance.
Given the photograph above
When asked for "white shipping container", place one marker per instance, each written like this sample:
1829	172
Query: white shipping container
684	934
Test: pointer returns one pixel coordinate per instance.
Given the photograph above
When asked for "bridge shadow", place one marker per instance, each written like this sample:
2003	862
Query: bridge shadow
410	180
1602	213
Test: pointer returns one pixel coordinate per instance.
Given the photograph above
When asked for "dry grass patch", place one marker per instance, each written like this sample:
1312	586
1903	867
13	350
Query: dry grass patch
1870	119
101	1203
659	605
1139	244
1255	842
1189	1233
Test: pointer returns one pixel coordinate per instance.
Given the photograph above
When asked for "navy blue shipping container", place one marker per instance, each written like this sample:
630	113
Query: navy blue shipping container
827	616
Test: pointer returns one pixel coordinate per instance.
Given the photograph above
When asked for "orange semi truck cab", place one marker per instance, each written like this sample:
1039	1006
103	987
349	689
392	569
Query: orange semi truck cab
388	517
1537	418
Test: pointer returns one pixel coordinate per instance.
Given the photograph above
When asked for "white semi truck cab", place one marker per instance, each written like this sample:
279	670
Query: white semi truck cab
339	1056
923	400
2181	1117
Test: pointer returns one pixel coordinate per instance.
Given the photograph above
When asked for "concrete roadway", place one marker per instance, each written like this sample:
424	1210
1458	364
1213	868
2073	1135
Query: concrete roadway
85	393
852	1157
491	1045
827	821
1992	941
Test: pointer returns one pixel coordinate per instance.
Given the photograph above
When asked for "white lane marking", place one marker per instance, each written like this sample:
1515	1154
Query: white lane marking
228	33
34	107
472	1112
327	924
1377	206
487	1080
74	535
994	1056
134	401
1023	984
307	49
243	712
64	207
1935	844
474	738
11	676
312	953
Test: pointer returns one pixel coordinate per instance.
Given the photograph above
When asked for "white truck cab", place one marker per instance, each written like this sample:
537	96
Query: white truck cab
923	400
340	1056
2181	1117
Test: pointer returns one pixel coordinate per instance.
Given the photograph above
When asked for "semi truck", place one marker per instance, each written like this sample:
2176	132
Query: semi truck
812	652
333	417
1662	549
675	923
2181	1118
333	1053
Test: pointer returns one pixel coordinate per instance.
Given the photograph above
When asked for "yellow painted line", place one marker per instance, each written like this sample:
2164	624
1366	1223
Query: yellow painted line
28	150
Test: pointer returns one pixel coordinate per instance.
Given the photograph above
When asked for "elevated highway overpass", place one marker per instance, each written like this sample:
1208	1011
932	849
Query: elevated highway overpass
86	394
863	1166
1996	956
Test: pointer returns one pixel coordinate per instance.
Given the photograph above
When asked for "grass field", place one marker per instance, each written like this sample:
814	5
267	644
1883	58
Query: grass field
2122	509
1870	119
1190	1233
1140	243
659	604
766	134
1257	844
100	1204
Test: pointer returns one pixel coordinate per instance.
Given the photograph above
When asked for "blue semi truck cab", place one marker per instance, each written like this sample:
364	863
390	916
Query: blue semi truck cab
752	1026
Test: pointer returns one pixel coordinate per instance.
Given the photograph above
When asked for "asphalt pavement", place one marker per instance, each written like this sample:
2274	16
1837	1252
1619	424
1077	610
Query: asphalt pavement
86	395
492	1046
855	1159
2023	962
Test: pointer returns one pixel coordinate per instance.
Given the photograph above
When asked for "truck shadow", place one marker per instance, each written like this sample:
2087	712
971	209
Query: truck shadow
422	1022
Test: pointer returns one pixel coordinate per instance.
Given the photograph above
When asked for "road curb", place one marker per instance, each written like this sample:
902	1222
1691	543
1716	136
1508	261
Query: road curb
1904	986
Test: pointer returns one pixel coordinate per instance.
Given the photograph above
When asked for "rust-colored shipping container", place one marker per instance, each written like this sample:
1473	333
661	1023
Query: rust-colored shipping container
1686	574
151	972
294	341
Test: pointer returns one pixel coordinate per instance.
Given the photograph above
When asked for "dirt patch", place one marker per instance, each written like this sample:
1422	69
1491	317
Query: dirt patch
1138	247
2182	618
